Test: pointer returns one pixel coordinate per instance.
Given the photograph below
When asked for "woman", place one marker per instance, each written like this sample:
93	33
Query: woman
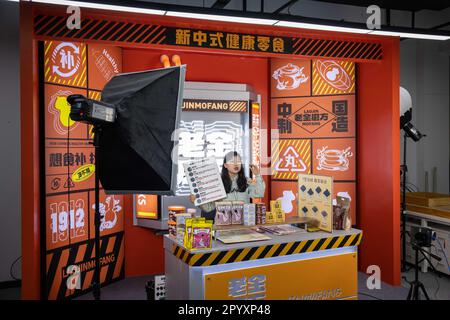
237	186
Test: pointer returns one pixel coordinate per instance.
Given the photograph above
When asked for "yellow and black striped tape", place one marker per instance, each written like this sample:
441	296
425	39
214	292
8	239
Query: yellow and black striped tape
238	106
268	251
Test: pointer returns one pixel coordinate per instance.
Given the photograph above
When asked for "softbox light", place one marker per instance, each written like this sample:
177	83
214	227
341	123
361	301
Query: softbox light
135	151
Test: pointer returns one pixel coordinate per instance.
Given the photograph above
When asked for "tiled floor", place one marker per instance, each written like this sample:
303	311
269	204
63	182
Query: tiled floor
437	286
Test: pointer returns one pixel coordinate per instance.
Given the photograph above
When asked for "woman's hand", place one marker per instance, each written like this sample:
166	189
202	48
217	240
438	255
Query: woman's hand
255	169
192	198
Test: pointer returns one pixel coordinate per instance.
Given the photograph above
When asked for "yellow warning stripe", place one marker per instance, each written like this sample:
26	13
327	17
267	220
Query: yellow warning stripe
267	251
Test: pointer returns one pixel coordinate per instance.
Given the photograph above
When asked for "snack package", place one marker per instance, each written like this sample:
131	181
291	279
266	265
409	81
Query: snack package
249	214
223	213
187	231
270	217
180	219
187	241
202	234
237	212
172	222
260	213
277	210
341	214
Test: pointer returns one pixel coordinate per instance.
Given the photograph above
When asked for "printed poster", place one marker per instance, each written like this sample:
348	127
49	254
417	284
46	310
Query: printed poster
315	199
204	179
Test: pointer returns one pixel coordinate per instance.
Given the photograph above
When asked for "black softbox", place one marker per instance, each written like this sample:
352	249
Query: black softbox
135	153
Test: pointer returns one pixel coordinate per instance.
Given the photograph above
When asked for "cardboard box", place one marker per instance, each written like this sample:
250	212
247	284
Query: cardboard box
223	213
249	214
277	210
270	217
237	212
260	213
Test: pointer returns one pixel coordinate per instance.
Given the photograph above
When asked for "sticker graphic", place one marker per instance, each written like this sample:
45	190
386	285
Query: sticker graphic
290	157
286	191
64	223
104	63
65	63
314	117
332	159
335	157
83	173
333	77
58	122
289	77
311	117
287	201
109	211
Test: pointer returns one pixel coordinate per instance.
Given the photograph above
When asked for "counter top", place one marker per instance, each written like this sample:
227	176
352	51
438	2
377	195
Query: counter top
299	242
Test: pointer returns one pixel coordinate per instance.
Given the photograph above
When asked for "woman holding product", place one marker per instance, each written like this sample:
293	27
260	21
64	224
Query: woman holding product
237	186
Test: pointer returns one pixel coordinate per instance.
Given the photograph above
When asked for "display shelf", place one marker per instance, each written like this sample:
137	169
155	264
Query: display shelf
152	224
290	220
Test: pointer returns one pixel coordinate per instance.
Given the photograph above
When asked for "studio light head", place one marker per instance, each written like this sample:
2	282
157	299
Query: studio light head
421	236
90	111
406	116
412	132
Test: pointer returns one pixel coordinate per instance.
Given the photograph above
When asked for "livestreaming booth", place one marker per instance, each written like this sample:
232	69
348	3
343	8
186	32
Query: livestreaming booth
128	116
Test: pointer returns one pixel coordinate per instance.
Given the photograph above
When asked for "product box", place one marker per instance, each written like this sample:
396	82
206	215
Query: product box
277	210
237	212
172	222
223	213
260	213
249	214
270	217
180	219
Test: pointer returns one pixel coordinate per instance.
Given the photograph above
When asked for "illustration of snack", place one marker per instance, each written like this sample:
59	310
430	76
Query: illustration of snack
333	74
289	77
333	159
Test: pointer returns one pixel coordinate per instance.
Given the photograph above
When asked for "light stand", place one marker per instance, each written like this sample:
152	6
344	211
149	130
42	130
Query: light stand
416	286
96	285
403	215
415	135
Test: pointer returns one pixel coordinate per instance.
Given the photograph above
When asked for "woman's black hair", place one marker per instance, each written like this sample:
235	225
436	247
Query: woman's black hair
241	180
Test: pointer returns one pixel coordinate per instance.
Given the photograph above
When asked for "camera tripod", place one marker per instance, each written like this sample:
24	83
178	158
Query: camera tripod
416	286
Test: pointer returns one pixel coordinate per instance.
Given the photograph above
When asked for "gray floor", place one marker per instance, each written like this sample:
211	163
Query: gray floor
438	288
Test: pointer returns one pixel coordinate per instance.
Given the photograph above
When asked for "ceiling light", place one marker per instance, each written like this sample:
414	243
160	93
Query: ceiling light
214	17
94	5
312	26
410	35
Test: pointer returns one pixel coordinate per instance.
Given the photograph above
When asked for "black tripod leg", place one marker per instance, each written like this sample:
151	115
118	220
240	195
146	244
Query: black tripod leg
421	286
411	289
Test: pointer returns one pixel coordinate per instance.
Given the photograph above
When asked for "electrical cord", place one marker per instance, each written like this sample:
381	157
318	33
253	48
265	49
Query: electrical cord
368	295
443	251
438	284
11	269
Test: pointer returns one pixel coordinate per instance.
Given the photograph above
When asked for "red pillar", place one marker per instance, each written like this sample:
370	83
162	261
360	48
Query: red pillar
379	163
